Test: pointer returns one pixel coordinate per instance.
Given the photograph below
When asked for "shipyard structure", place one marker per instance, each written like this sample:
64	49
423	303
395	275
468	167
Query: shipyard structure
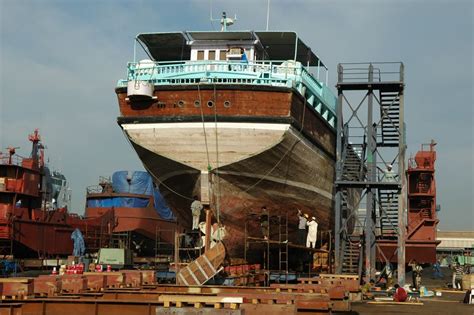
246	122
240	119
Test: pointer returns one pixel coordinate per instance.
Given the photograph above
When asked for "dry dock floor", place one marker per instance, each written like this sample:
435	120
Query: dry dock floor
448	304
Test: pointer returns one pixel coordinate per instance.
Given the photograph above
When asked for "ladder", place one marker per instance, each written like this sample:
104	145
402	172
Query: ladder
283	246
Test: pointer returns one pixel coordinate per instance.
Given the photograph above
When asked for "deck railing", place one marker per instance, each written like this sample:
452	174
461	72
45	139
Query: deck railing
269	73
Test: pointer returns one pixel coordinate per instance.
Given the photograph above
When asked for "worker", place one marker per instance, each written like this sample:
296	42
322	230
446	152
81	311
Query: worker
457	276
437	270
302	220
390	174
366	289
415	274
264	223
312	233
400	294
196	207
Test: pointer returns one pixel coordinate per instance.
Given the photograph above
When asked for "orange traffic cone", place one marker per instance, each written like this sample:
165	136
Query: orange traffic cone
55	272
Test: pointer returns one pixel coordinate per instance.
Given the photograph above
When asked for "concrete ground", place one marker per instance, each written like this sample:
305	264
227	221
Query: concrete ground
447	304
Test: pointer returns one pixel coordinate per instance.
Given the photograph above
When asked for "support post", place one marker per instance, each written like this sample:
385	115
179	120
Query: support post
176	252
208	229
402	197
338	205
371	168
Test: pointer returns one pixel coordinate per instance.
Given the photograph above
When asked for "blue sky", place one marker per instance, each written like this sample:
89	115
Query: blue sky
60	60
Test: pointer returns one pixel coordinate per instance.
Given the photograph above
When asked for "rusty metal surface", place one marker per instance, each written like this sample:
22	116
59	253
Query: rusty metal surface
200	311
77	296
11	309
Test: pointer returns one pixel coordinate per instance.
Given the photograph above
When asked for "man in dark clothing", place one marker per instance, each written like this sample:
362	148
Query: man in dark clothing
264	223
301	228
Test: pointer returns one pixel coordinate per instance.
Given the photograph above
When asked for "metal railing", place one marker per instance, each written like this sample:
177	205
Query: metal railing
370	72
268	72
15	159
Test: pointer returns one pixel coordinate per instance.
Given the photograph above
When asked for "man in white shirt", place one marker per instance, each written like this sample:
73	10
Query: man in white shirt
390	174
312	233
196	207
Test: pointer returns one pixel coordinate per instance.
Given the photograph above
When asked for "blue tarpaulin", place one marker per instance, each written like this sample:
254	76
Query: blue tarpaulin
137	182
79	245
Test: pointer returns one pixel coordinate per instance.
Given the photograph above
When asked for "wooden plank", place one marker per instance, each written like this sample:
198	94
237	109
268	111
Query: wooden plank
313	305
354	277
200	299
395	303
16	280
209	261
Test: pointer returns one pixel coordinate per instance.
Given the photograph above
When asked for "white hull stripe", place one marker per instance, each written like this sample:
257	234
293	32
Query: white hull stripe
207	125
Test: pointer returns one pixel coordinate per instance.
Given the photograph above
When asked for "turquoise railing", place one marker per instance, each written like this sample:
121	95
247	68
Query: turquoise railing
270	73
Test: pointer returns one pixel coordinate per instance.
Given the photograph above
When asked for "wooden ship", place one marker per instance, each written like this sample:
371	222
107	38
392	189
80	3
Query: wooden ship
241	119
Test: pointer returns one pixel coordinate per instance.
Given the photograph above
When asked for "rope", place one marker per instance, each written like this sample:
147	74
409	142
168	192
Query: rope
218	187
153	175
284	155
204	128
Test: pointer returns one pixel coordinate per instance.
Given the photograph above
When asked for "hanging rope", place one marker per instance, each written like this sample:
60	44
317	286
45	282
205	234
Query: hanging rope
204	128
284	155
217	190
155	177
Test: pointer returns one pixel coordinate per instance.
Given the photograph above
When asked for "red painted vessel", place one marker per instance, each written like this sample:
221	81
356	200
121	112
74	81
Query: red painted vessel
141	216
421	217
31	223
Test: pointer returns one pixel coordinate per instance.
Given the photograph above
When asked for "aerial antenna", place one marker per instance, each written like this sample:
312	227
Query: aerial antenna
225	21
268	13
210	15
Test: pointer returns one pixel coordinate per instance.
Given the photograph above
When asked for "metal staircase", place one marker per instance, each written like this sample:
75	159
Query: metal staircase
352	251
390	115
372	95
353	169
388	212
353	166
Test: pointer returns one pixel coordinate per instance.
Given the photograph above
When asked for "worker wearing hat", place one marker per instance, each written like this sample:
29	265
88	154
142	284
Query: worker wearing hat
389	174
312	233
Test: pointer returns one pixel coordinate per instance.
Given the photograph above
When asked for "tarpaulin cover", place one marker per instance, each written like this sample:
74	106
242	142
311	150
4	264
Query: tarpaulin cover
137	182
79	245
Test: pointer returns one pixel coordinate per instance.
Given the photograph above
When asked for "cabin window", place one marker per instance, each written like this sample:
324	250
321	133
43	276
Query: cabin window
200	55
222	55
212	55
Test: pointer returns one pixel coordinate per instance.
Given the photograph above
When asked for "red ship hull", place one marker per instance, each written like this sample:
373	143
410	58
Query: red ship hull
30	224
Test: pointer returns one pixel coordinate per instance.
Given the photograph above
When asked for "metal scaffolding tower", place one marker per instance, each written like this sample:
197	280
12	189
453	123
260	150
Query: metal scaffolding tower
370	165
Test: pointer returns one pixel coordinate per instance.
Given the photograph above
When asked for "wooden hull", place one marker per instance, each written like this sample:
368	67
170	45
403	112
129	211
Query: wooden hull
269	148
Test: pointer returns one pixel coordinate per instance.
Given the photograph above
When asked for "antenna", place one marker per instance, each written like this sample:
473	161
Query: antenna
268	13
210	15
225	21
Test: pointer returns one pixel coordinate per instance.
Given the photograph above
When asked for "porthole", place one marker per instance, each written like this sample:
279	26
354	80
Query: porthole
181	103
197	103
227	104
210	103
